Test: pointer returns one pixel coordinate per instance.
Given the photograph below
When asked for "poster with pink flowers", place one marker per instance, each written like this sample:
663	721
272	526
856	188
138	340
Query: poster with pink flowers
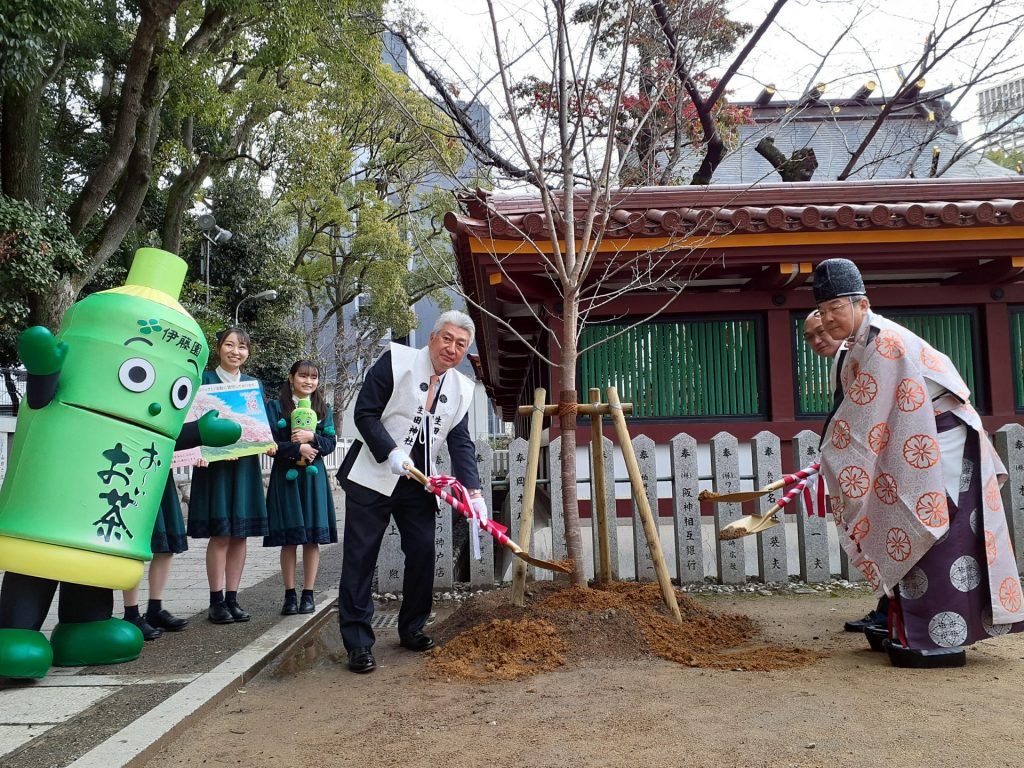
241	402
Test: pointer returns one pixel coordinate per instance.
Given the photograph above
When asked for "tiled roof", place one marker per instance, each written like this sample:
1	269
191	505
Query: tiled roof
653	211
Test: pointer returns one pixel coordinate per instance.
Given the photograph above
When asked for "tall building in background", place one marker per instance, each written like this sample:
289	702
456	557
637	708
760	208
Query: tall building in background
1001	113
484	421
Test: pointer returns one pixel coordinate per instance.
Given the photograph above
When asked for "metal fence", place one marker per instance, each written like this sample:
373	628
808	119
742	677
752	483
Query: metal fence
12	380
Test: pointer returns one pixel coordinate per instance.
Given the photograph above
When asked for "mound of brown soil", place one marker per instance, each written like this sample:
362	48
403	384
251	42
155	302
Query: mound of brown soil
488	638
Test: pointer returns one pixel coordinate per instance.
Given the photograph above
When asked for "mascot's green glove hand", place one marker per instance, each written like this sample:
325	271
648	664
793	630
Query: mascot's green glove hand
40	351
218	432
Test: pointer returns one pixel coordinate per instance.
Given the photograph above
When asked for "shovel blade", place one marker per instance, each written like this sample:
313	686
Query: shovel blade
547	565
746	526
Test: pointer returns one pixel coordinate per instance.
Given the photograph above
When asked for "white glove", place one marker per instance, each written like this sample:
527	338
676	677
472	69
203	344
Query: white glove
397	460
480	508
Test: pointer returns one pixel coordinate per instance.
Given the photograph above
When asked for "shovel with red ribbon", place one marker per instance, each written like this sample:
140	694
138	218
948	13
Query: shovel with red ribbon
458	499
809	484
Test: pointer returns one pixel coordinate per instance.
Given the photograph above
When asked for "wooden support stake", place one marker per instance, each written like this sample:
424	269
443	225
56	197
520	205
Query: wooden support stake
668	594
600	512
537	411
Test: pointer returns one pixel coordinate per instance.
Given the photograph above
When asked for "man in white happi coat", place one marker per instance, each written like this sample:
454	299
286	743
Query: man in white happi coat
411	402
914	483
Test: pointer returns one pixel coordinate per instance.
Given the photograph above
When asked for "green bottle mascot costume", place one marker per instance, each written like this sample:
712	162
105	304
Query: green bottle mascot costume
105	408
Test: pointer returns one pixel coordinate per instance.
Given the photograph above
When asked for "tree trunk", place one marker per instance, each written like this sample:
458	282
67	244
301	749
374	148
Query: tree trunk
19	144
799	167
340	401
150	35
48	307
134	185
567	400
179	201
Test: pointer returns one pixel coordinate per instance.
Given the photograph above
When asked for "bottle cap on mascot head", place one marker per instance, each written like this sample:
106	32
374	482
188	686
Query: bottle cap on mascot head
158	270
835	278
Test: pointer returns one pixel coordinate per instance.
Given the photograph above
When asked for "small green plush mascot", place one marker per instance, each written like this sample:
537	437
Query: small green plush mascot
303	417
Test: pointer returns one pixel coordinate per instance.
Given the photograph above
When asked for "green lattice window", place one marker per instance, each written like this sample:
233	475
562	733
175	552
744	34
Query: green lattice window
952	331
813	393
700	368
1017	343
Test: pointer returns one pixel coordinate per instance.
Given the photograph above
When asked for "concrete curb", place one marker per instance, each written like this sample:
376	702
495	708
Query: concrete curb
135	743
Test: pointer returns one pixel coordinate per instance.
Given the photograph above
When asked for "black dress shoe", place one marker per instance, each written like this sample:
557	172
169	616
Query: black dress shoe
873	619
418	641
219	614
306	605
236	611
148	632
290	607
361	660
164	619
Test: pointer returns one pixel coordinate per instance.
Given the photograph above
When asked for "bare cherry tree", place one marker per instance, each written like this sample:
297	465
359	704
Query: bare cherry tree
586	105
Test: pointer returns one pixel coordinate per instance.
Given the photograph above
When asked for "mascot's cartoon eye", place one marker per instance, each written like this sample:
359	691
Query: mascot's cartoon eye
181	392
137	374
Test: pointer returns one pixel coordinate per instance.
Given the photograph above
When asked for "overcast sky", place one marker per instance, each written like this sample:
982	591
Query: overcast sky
888	33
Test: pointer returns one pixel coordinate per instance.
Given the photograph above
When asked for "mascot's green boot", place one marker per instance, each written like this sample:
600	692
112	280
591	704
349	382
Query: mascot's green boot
111	641
24	653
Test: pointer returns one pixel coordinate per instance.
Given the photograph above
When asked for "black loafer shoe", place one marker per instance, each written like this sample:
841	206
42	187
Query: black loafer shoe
361	660
873	619
164	619
290	607
219	614
236	611
148	632
418	642
306	605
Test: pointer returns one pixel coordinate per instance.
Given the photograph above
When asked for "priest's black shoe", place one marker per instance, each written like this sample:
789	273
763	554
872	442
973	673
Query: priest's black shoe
873	619
236	611
164	619
219	614
418	641
306	605
361	660
148	632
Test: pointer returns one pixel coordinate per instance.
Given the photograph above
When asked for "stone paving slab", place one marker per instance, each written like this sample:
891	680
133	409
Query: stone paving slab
31	709
131	744
47	706
14	736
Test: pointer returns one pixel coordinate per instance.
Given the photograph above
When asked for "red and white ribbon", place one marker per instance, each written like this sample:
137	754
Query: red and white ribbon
814	495
802	474
458	498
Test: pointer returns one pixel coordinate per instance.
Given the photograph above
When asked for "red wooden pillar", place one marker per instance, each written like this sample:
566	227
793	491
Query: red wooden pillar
779	359
1001	374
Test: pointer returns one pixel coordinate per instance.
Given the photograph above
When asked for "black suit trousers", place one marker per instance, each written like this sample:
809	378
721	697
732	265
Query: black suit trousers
367	516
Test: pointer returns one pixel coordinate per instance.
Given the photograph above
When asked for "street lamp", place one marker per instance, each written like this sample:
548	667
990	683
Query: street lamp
270	295
211	234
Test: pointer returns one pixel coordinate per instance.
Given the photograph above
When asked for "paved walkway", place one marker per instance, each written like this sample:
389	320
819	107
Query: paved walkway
111	716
